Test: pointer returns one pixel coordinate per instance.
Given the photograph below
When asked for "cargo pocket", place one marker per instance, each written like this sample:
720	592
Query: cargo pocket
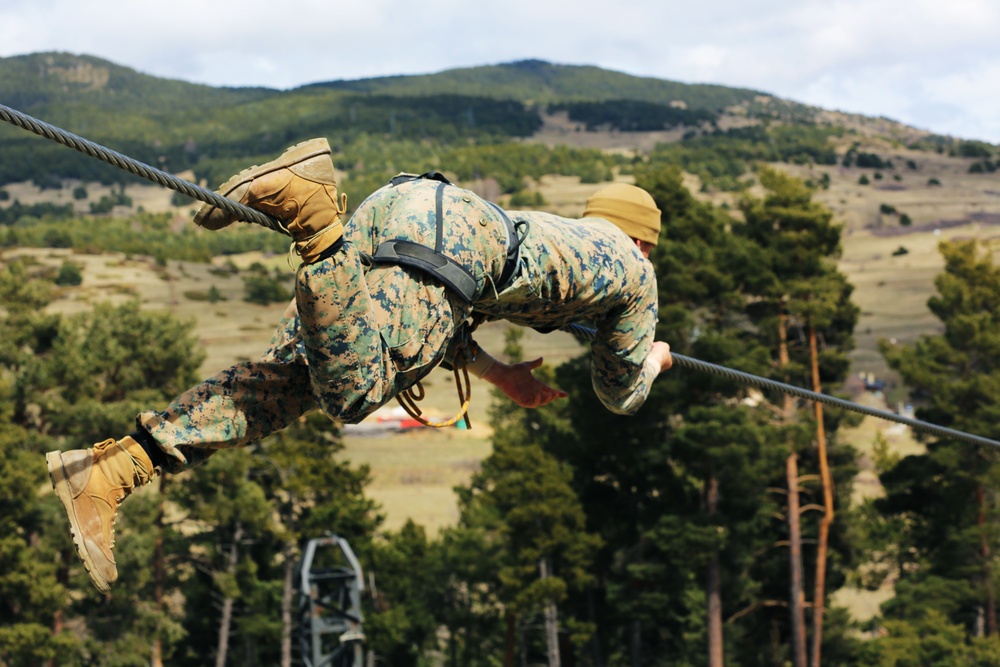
414	318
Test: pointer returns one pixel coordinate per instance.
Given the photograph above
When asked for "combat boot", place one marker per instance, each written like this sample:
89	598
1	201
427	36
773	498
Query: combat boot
91	484
299	188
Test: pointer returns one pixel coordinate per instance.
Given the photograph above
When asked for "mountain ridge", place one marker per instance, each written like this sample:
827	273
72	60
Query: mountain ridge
46	78
549	82
178	125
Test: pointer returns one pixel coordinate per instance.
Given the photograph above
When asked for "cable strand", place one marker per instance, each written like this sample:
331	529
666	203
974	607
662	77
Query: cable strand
141	169
764	383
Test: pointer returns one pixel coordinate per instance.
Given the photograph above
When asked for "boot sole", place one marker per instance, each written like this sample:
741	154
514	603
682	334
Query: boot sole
293	155
60	484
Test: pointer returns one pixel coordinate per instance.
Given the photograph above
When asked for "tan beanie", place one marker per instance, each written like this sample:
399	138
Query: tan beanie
631	208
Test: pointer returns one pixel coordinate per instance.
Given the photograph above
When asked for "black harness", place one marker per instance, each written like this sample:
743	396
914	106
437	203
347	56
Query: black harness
433	261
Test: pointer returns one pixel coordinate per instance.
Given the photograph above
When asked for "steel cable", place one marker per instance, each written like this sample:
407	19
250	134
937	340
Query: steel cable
141	169
764	383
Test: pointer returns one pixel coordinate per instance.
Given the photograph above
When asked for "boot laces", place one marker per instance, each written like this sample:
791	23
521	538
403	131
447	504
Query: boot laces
140	473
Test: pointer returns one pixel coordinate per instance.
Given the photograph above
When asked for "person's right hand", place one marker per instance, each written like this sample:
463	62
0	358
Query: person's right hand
661	354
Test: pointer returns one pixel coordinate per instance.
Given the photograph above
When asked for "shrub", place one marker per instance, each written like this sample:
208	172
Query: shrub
905	220
69	275
974	149
79	192
263	289
212	295
527	199
104	205
108	202
865	160
886	209
984	167
57	238
901	250
863	180
178	199
933	181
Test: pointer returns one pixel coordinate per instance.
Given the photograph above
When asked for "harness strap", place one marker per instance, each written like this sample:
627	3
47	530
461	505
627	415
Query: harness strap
448	271
452	275
433	261
513	245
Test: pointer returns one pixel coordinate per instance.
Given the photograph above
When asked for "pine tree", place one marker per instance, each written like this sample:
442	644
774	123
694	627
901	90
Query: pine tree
944	499
69	382
408	596
522	503
678	491
801	291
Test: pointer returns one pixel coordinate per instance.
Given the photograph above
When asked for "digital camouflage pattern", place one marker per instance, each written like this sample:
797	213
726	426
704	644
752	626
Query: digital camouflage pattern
357	334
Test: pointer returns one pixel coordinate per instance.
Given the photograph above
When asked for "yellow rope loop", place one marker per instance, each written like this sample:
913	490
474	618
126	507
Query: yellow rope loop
408	398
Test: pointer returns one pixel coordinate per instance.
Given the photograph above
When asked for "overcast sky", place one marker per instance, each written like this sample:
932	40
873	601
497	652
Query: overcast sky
933	64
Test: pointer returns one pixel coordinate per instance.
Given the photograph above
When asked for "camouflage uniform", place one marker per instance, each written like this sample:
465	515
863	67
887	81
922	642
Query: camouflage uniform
359	333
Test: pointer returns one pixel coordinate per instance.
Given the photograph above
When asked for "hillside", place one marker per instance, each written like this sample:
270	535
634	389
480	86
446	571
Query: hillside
540	82
180	126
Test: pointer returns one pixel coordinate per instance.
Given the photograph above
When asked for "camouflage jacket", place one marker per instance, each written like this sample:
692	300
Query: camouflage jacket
569	271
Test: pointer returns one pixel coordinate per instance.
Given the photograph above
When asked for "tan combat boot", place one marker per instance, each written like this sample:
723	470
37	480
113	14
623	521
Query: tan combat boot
91	484
299	188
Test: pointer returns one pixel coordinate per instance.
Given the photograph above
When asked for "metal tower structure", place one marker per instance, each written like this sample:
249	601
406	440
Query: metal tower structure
330	617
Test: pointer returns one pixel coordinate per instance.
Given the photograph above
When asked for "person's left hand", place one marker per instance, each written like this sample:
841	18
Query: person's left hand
519	383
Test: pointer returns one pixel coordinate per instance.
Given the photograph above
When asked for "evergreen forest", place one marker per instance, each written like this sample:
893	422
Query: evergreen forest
712	528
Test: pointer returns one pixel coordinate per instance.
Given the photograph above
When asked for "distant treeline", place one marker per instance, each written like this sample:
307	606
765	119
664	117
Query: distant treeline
633	115
140	234
249	132
722	157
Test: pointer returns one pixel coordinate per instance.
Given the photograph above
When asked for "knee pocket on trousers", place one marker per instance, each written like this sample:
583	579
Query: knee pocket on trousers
415	322
420	346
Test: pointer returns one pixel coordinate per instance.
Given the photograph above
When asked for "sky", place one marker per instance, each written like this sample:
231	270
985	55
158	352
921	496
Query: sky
932	64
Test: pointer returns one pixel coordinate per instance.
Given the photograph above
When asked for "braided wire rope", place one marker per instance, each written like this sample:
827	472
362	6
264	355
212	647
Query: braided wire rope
141	169
248	214
764	383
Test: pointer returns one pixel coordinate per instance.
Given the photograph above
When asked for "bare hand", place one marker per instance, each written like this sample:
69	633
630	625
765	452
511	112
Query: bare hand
661	355
519	383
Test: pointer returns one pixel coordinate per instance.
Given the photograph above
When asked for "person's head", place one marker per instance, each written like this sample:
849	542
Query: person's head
631	209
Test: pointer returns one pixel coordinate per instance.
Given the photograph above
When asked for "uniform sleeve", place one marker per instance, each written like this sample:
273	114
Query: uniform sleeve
620	373
465	352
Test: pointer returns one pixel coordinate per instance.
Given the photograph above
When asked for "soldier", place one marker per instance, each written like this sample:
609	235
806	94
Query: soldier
375	313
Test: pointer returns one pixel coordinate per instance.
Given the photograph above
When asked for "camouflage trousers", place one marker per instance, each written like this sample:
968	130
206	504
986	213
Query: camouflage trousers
354	336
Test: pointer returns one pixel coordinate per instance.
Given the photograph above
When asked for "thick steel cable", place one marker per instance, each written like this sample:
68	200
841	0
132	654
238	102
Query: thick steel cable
141	169
764	383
